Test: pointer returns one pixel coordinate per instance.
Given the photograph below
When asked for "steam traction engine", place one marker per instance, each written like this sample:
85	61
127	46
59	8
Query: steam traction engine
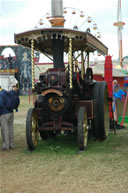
68	98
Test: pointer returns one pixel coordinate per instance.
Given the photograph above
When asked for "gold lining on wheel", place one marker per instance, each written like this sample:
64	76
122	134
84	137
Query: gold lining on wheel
35	132
85	129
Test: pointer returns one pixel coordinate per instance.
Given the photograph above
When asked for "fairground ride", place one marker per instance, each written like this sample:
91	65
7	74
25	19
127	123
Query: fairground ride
119	24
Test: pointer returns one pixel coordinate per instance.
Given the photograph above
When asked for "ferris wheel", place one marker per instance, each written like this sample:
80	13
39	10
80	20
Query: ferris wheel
74	19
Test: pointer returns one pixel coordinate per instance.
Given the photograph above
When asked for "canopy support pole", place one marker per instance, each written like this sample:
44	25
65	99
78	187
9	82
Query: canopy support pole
32	62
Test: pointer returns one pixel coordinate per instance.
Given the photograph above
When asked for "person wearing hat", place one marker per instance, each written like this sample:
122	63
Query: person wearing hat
0	90
7	117
114	85
116	94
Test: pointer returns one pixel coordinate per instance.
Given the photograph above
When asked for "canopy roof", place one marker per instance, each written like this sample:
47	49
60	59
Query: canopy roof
43	40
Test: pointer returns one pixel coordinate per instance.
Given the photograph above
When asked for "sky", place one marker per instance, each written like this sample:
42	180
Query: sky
22	15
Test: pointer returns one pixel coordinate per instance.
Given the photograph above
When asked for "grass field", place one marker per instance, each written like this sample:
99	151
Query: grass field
57	167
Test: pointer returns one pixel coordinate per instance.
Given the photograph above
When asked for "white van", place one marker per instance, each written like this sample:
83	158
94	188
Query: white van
6	80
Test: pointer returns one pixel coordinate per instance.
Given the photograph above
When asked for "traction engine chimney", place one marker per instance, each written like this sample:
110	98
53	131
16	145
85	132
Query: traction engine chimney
57	20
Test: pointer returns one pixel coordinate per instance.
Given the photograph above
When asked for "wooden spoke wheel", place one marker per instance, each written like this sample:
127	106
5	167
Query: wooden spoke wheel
103	111
82	128
32	133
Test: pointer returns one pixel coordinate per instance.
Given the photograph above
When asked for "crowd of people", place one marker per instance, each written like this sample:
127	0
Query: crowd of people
9	101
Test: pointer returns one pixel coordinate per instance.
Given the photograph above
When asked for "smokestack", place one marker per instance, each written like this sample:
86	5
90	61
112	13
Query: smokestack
56	8
57	19
58	50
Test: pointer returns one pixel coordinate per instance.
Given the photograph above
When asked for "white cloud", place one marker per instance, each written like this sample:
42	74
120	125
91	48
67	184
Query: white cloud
31	14
91	6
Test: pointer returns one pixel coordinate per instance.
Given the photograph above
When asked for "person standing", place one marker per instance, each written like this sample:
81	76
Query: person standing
117	95
0	107
10	62
115	84
7	117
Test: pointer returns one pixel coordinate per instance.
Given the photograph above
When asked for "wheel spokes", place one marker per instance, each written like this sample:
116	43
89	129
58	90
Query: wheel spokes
85	130
35	133
82	128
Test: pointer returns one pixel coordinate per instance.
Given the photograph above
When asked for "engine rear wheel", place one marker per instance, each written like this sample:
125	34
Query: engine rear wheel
44	134
32	133
103	111
82	128
95	121
47	134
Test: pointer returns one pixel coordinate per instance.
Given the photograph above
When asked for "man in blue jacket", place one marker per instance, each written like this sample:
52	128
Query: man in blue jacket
6	119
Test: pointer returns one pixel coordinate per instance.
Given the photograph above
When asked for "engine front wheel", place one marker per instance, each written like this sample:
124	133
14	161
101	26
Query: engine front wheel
82	129
32	133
